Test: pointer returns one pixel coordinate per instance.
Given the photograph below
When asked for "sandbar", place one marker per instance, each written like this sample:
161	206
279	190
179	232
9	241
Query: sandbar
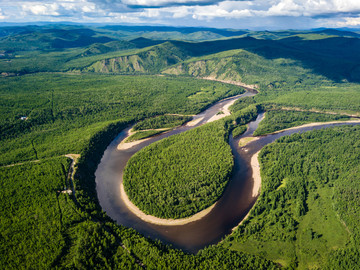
314	124
127	145
255	166
194	122
244	141
225	112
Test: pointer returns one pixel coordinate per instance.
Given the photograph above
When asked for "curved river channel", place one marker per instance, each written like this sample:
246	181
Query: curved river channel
228	212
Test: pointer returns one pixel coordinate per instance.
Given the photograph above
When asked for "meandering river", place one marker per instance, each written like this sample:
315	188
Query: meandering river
228	212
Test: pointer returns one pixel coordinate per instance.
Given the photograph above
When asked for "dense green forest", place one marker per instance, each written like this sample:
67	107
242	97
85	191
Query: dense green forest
61	107
182	174
307	215
156	125
278	120
163	121
339	98
239	130
72	89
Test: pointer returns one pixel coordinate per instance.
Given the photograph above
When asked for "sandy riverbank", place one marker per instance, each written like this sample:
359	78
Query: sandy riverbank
225	112
314	124
194	122
127	145
246	140
124	145
256	177
252	87
176	222
255	166
161	221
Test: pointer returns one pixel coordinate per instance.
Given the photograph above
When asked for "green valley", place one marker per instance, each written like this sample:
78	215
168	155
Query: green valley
71	89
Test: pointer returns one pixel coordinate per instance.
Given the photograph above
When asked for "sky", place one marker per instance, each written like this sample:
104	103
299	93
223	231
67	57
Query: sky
255	14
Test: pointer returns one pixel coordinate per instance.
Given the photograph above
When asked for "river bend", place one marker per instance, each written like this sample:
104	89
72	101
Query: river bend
231	208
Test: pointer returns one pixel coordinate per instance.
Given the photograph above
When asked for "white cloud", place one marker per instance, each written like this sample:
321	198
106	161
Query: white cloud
186	12
60	8
150	13
341	22
41	9
158	3
294	8
350	22
285	8
311	7
2	15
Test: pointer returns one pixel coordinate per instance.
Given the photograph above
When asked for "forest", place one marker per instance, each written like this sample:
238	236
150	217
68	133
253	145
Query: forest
163	121
276	120
307	215
72	89
178	177
60	107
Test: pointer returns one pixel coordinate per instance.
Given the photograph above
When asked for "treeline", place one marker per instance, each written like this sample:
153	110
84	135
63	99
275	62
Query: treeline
90	157
278	119
344	98
143	134
163	121
239	130
307	213
242	103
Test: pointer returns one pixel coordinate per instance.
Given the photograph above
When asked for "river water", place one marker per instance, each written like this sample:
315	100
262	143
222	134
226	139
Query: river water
231	208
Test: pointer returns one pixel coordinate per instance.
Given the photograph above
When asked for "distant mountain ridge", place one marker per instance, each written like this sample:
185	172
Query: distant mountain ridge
230	54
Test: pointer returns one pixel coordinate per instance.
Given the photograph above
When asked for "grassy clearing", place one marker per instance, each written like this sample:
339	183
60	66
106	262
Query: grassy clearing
245	141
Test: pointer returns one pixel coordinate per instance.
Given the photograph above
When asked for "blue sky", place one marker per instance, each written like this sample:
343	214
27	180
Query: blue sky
255	14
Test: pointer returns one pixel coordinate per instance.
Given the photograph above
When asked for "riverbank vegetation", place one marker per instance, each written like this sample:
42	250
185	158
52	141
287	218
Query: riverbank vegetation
144	134
185	173
163	121
278	119
239	130
338	98
307	213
